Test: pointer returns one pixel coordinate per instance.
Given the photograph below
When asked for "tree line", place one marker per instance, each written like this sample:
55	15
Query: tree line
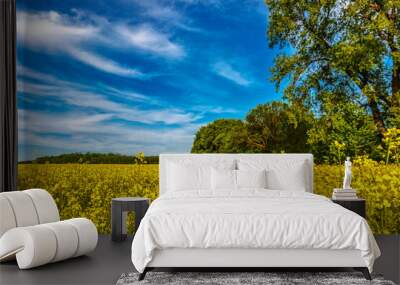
279	127
96	158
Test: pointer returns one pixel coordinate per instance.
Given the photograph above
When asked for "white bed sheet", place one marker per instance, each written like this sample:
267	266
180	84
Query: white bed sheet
250	218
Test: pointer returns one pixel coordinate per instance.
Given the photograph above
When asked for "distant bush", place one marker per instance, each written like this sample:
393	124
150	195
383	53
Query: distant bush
83	190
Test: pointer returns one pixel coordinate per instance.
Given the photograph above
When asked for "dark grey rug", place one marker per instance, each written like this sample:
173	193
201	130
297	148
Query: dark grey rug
269	278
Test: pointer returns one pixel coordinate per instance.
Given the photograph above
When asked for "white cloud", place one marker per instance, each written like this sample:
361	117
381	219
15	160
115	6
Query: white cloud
226	70
90	100
102	63
214	110
167	13
128	95
155	9
202	2
68	123
87	98
53	32
29	73
221	110
84	132
146	38
97	123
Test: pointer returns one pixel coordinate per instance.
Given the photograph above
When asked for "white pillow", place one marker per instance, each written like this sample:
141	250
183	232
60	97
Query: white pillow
188	177
223	179
285	174
251	178
293	179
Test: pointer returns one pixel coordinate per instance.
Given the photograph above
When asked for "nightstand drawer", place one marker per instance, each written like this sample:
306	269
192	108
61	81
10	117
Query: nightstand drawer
357	206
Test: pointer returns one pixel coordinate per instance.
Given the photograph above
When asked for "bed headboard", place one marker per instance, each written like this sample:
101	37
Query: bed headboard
267	157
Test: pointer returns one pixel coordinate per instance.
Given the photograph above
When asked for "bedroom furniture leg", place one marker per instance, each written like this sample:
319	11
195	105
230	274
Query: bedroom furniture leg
364	271
143	274
118	219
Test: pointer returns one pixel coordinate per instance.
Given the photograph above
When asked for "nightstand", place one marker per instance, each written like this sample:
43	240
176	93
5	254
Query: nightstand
355	205
119	209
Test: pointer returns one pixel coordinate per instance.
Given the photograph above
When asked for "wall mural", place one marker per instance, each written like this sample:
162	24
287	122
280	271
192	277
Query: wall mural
129	77
132	76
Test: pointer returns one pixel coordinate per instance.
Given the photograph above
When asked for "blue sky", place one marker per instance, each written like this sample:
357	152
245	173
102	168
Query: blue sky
133	75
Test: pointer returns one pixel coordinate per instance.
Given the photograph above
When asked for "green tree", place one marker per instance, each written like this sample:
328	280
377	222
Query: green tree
278	127
341	50
343	130
221	136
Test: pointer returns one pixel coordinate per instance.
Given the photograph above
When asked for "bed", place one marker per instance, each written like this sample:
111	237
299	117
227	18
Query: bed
247	210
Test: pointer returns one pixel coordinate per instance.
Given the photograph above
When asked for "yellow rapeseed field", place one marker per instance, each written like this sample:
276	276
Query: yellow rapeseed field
86	190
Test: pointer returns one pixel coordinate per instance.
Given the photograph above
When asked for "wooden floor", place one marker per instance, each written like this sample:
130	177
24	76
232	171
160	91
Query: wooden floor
110	260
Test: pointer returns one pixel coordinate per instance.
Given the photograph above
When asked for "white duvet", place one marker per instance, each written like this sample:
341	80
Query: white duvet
250	219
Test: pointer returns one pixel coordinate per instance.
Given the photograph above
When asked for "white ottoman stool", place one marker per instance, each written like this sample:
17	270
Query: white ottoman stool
31	232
